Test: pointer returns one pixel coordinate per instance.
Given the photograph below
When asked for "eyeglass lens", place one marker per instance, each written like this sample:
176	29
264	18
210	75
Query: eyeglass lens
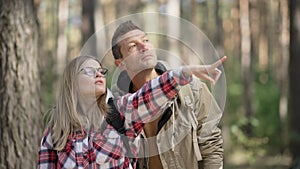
90	71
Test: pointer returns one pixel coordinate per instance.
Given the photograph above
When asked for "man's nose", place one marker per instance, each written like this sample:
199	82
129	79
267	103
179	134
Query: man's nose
143	46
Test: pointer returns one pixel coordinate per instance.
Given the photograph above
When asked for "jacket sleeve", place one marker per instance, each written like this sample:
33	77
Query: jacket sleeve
145	104
210	139
47	156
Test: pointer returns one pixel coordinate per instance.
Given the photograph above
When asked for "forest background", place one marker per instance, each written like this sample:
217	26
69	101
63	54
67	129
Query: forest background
261	37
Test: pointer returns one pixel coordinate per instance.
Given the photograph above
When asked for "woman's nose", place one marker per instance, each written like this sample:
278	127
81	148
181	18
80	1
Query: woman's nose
98	74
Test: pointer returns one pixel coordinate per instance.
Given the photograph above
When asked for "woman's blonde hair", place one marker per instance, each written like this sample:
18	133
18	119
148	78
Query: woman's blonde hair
67	118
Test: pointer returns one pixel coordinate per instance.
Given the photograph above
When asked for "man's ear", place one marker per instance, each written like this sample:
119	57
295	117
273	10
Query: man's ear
119	63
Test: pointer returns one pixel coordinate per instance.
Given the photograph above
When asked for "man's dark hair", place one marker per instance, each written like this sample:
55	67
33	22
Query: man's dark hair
122	29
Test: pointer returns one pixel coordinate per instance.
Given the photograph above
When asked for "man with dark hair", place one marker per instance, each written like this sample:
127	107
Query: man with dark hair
122	29
175	139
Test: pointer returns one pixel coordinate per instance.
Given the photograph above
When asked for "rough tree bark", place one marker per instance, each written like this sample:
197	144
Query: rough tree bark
20	110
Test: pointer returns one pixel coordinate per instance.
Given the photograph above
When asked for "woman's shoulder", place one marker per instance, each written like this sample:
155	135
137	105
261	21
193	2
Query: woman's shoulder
47	138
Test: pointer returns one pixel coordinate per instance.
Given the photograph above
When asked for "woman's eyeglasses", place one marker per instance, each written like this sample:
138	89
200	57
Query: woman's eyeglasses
91	71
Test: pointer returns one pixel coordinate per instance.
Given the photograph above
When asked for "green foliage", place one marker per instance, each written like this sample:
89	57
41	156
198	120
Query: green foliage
266	107
48	79
253	146
265	123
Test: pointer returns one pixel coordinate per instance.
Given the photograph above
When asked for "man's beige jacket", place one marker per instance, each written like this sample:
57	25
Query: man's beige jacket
190	138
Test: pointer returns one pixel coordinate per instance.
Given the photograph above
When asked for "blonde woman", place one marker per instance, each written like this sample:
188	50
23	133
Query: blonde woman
75	136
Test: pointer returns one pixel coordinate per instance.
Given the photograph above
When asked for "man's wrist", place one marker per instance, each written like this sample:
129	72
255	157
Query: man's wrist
186	72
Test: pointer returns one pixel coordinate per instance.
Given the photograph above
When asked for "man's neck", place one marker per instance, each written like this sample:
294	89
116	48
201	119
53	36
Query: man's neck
142	77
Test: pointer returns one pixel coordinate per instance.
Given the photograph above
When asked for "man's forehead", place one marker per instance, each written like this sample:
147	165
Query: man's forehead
131	35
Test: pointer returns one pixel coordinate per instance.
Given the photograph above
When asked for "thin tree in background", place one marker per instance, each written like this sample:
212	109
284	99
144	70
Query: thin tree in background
20	111
62	39
262	40
109	10
173	8
294	74
246	60
219	30
88	24
88	19
109	14
283	69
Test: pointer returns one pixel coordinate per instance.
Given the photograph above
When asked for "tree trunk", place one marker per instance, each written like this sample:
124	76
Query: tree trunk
20	111
62	42
88	26
283	69
173	8
294	74
88	19
219	31
246	61
263	47
109	11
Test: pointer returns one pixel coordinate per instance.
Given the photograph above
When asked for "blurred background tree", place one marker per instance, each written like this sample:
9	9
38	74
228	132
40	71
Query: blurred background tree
294	73
261	37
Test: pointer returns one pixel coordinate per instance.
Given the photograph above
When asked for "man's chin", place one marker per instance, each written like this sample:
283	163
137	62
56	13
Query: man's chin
149	63
148	67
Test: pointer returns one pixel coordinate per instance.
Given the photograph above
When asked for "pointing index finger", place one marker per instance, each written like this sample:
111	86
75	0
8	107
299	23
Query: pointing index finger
219	62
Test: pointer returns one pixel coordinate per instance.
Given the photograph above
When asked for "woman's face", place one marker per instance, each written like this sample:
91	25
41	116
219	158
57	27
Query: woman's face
91	79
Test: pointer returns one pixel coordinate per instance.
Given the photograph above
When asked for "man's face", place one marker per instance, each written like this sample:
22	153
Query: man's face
138	53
